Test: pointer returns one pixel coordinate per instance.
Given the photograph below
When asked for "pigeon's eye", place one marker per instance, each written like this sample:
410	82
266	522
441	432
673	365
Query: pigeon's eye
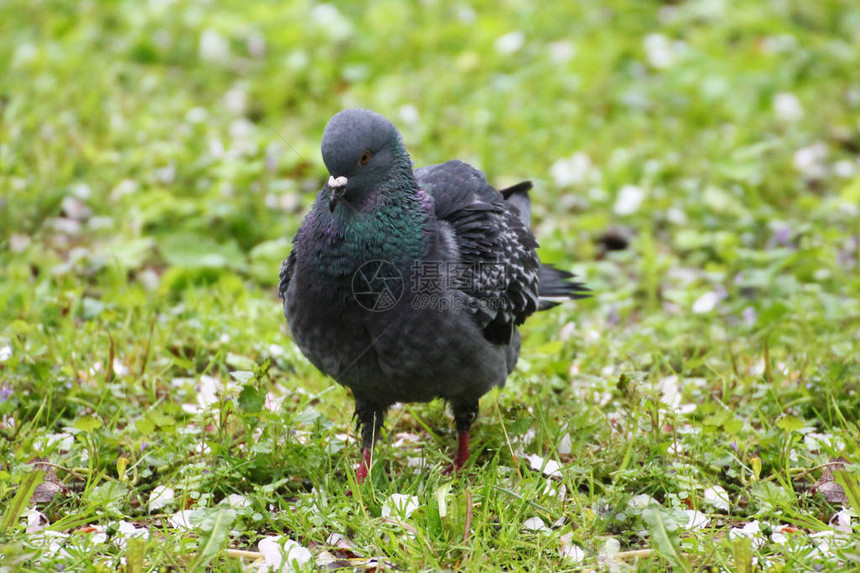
365	157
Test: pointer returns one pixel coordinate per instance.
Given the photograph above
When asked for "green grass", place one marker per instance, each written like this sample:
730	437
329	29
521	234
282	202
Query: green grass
155	160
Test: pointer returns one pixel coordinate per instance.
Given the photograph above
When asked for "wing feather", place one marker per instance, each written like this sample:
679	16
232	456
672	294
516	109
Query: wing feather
494	244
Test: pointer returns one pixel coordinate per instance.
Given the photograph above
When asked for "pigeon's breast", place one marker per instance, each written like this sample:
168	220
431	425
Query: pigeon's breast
393	346
319	314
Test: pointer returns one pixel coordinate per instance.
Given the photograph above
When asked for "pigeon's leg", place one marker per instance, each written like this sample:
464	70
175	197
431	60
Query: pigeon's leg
464	415
369	420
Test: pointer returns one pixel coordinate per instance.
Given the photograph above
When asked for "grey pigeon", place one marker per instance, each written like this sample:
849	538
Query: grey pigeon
408	285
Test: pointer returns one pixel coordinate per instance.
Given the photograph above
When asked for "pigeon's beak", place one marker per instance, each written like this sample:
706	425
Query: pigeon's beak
338	190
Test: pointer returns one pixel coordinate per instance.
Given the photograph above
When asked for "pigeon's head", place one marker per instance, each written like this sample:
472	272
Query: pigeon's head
361	150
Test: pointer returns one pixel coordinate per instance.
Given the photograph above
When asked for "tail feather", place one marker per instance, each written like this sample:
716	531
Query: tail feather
555	286
518	196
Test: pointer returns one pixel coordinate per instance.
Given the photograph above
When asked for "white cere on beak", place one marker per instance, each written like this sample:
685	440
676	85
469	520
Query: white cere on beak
336	182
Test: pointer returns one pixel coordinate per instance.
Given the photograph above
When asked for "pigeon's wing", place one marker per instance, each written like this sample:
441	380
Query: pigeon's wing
286	273
497	267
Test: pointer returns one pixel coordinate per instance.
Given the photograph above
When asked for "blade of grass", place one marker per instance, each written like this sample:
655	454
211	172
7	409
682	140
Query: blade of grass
21	500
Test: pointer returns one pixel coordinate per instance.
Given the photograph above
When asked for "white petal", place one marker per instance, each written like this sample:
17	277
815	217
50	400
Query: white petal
534	524
811	160
706	303
129	530
697	519
670	388
63	441
416	462
845	168
574	170
549	468
787	107
271	549
160	497
332	21
641	501
295	552
561	52
99	537
119	368
277	550
236	100
256	44
564	445
778	536
409	114
661	51
751	530
611	547
717	497
17	243
55	541
399	505
207	391
841	520
553	488
181	519
236	501
214	47
36	520
574	553
510	43
629	199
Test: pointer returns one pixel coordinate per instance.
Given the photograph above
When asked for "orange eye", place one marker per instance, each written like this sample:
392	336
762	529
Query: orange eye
365	157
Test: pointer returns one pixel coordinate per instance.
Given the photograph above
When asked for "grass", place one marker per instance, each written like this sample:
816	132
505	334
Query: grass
155	159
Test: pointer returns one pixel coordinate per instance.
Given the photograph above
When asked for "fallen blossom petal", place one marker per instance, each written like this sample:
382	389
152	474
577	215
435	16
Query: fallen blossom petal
510	43
399	505
707	302
549	468
556	489
236	501
160	497
697	519
629	199
564	446
36	520
574	170
642	501
841	520
787	107
181	519
277	550
534	524
751	531
569	550
718	497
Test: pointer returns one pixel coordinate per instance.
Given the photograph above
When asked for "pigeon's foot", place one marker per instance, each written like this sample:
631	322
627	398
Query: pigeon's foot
462	454
364	468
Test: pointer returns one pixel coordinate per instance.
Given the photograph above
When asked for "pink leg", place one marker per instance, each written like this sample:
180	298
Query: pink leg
462	453
364	468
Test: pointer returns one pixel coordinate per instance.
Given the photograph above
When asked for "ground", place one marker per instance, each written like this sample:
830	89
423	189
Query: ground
695	162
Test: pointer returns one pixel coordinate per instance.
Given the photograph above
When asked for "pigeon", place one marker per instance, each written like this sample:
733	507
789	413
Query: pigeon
407	285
